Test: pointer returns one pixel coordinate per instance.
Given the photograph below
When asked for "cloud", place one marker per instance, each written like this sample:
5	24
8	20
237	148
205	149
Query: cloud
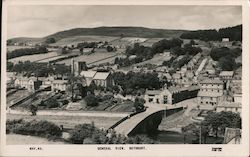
38	21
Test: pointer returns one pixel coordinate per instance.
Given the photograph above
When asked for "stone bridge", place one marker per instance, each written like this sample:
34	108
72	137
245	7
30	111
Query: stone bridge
148	121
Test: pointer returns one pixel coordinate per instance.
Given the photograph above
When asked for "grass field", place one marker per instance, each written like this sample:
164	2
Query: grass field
92	58
33	58
50	59
151	41
77	39
12	48
16	139
70	121
158	59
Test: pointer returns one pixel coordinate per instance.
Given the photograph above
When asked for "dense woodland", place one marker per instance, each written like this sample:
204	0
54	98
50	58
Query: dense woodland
233	33
226	57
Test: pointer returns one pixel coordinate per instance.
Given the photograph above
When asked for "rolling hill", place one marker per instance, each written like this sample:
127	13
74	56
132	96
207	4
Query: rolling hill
141	32
106	31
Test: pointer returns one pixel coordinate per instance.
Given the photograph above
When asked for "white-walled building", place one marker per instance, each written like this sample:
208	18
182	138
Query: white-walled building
211	91
59	85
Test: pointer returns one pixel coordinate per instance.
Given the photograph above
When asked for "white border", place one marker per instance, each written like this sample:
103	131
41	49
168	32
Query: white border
151	150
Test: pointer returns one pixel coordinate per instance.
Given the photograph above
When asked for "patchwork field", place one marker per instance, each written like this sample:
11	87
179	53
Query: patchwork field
77	39
94	58
33	58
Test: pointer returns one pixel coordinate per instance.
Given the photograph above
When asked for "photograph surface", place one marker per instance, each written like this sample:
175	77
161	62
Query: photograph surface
123	74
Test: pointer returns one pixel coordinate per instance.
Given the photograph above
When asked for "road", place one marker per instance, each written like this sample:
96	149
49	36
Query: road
128	125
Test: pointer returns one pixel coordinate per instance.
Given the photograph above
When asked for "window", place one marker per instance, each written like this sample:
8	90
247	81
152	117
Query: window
165	99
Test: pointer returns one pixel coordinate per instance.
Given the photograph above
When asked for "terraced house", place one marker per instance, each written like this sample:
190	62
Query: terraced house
210	93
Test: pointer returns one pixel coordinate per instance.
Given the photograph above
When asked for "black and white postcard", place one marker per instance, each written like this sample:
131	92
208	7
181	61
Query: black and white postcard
125	78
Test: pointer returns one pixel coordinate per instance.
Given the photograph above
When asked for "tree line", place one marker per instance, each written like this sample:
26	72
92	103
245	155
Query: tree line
26	51
39	69
233	33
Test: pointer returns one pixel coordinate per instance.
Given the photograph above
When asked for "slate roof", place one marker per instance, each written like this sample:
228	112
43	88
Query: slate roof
209	94
226	73
101	75
153	92
89	74
211	81
229	104
60	81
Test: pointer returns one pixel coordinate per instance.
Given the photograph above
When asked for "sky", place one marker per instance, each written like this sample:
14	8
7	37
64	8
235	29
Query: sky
43	20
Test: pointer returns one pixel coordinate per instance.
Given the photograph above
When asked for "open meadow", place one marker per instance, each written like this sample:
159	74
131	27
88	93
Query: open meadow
34	58
158	59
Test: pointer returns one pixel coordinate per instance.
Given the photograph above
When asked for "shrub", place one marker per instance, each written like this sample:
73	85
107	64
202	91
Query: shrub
91	100
80	133
34	128
51	103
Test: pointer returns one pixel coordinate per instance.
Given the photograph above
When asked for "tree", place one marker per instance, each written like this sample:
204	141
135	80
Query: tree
192	50
110	49
10	66
219	121
50	40
91	100
27	51
51	103
33	109
76	86
164	44
139	104
227	63
81	132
